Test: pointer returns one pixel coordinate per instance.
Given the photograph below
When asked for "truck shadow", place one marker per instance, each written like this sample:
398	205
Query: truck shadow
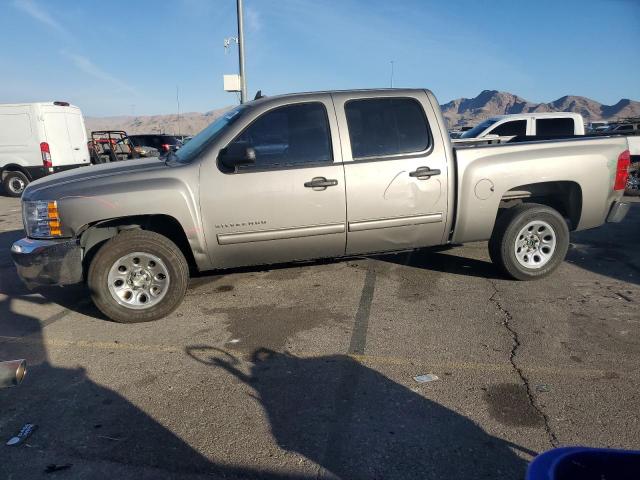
352	421
611	250
356	423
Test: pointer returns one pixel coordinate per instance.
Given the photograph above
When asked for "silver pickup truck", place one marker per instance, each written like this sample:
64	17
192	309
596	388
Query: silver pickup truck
306	176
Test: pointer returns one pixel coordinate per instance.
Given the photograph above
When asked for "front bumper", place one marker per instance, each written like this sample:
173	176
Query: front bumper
48	262
618	212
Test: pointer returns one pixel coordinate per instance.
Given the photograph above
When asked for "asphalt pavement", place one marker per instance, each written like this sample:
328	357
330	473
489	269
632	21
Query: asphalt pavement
307	371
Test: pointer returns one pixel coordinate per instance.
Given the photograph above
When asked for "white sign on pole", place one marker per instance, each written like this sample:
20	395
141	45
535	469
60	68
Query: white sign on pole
232	83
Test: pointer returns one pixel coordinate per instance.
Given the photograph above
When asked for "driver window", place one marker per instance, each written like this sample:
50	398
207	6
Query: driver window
292	135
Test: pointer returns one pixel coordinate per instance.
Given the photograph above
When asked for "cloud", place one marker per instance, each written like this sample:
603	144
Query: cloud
253	19
37	12
90	68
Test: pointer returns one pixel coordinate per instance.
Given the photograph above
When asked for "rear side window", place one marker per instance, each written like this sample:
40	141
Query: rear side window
625	128
386	126
554	126
509	129
292	135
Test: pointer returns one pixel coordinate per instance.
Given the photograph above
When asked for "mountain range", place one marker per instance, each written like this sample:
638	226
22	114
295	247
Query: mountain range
459	112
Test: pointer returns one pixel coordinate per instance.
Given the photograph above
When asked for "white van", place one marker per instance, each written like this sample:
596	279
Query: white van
551	124
38	139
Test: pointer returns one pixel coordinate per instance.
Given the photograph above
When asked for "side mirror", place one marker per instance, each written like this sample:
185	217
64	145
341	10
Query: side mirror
237	155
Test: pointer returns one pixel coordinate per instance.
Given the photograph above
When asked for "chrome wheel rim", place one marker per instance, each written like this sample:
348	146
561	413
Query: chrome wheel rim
16	185
535	244
138	280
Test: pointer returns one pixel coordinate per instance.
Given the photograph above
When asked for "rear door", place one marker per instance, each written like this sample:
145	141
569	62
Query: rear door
55	126
288	205
77	137
395	171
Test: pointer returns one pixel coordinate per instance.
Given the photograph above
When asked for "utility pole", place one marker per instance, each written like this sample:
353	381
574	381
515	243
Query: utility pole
178	105
392	73
243	79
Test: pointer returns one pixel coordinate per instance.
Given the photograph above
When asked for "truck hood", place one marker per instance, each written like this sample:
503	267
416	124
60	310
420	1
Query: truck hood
54	186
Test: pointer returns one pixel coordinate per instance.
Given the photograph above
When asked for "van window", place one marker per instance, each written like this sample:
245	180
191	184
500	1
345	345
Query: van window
555	126
15	129
509	129
386	126
295	134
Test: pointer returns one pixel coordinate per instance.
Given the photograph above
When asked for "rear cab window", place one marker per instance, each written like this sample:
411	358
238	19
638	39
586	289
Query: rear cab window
555	126
380	127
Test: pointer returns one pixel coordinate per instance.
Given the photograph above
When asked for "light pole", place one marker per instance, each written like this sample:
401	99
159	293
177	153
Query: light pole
243	79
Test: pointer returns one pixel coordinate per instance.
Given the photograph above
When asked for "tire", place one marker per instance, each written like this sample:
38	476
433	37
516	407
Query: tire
543	234
119	284
632	188
14	183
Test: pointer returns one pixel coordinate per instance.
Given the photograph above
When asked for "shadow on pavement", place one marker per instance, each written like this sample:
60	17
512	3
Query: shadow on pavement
351	420
356	423
612	250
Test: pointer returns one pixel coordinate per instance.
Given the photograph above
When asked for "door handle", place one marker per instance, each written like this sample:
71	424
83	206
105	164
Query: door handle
77	148
320	183
424	173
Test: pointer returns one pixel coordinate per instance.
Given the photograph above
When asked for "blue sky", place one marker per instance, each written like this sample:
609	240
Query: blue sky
129	56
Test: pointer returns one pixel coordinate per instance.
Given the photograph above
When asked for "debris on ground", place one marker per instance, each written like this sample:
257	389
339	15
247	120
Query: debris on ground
25	432
542	388
429	377
52	467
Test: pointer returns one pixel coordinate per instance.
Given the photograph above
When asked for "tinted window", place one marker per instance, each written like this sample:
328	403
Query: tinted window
509	129
625	128
386	126
478	129
291	135
554	126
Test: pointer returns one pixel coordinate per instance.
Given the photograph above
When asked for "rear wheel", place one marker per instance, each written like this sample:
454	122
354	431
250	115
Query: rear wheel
529	241
138	276
14	183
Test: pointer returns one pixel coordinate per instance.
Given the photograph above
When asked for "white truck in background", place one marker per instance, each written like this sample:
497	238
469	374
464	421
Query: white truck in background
505	127
38	139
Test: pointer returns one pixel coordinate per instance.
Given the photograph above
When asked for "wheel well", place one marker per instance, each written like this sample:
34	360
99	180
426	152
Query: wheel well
93	237
12	167
565	197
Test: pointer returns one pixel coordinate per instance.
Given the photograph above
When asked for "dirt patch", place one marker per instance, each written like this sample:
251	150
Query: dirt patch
509	404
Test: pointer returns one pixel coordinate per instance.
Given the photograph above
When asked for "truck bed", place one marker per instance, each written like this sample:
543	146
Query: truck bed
487	175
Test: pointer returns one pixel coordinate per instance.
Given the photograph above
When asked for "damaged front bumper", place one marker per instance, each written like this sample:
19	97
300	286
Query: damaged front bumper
48	262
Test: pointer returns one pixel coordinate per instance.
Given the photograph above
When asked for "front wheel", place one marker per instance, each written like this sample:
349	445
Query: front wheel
529	241
138	276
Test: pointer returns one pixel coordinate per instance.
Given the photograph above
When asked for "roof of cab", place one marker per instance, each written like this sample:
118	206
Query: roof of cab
302	95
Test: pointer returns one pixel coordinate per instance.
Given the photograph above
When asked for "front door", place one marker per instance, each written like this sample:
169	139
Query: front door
396	174
290	203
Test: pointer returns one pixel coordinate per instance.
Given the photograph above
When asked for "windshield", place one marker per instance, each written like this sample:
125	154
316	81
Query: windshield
478	129
202	140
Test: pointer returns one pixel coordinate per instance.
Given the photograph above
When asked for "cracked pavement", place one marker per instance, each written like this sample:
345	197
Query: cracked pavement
306	371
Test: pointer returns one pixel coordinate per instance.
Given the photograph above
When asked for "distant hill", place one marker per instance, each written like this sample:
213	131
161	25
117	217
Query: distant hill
470	111
459	112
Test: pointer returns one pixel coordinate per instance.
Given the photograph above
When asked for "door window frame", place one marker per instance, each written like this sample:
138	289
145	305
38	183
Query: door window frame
255	169
395	156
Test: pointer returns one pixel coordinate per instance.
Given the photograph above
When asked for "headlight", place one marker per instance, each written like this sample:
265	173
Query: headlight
41	219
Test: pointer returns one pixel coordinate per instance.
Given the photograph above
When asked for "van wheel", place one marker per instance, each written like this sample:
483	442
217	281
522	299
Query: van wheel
138	276
14	183
529	241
